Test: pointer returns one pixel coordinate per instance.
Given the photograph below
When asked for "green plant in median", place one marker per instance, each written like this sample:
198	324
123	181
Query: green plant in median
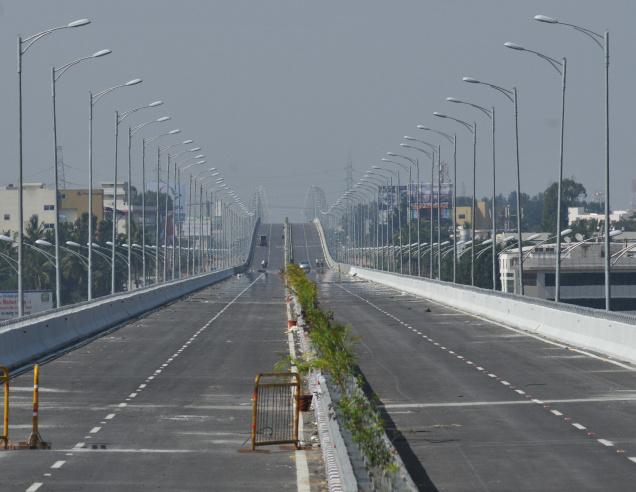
335	356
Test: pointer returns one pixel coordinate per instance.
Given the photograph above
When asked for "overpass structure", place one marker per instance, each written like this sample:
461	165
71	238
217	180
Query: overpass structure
471	399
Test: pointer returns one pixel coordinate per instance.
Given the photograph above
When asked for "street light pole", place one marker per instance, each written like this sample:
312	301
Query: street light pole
561	68
56	74
23	45
512	96
472	129
93	98
602	41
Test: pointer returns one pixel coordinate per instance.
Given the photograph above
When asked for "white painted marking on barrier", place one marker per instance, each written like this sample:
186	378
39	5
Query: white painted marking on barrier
479	368
58	464
540	402
556	412
132	395
579	426
34	486
521	392
79	445
450	351
95	430
141	386
632	459
605	442
490	374
467	362
122	405
505	383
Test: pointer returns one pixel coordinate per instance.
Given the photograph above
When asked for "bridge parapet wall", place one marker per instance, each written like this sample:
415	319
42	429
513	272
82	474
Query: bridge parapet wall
609	333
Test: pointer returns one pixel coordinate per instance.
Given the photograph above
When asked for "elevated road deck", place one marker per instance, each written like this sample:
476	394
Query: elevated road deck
472	405
162	403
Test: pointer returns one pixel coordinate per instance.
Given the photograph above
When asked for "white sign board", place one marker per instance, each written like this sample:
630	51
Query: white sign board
34	302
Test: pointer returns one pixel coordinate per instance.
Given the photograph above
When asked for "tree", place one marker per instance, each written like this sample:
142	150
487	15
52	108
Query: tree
571	194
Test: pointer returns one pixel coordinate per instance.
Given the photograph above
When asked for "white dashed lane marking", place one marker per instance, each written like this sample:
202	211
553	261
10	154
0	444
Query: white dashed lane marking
507	384
58	464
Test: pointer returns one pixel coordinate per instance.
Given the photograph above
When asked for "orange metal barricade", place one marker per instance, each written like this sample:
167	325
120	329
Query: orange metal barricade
275	409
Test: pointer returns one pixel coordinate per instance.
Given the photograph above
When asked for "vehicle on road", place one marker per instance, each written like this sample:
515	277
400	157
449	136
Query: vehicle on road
262	241
305	266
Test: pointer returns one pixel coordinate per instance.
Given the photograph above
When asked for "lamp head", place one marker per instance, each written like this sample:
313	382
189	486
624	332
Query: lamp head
514	46
453	100
99	53
545	18
162	119
439	115
391	154
186	142
154	104
422	127
199	156
175	131
471	80
194	149
78	23
133	82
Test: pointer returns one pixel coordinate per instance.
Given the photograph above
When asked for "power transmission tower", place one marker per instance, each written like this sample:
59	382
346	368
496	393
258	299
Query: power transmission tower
349	171
60	170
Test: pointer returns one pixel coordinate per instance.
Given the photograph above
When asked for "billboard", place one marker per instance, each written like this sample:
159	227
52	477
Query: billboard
421	197
35	301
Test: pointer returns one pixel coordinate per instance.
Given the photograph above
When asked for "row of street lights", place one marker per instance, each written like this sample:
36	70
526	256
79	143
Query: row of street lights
235	212
343	205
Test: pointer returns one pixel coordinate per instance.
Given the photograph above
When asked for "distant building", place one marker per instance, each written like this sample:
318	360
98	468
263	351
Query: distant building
464	217
40	201
74	203
582	273
121	191
579	213
37	200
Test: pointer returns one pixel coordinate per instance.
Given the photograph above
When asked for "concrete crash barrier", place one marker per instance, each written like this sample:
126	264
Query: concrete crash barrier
36	336
613	334
609	333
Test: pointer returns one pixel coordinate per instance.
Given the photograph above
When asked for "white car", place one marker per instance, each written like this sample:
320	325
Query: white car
305	266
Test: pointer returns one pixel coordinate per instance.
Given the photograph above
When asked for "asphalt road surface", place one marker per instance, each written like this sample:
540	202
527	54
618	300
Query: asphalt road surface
163	403
475	406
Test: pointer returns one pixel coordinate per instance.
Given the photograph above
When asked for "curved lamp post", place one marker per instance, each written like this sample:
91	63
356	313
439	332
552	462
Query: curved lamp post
131	132
490	113
93	98
512	96
561	68
24	44
119	117
452	140
431	155
472	129
56	74
602	41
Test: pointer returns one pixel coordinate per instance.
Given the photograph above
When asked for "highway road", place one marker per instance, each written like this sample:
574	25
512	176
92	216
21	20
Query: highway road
163	403
475	406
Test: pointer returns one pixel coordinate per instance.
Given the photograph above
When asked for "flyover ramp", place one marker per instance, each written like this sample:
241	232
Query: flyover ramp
163	403
474	405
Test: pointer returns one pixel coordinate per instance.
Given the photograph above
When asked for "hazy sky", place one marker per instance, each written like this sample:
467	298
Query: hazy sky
279	93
